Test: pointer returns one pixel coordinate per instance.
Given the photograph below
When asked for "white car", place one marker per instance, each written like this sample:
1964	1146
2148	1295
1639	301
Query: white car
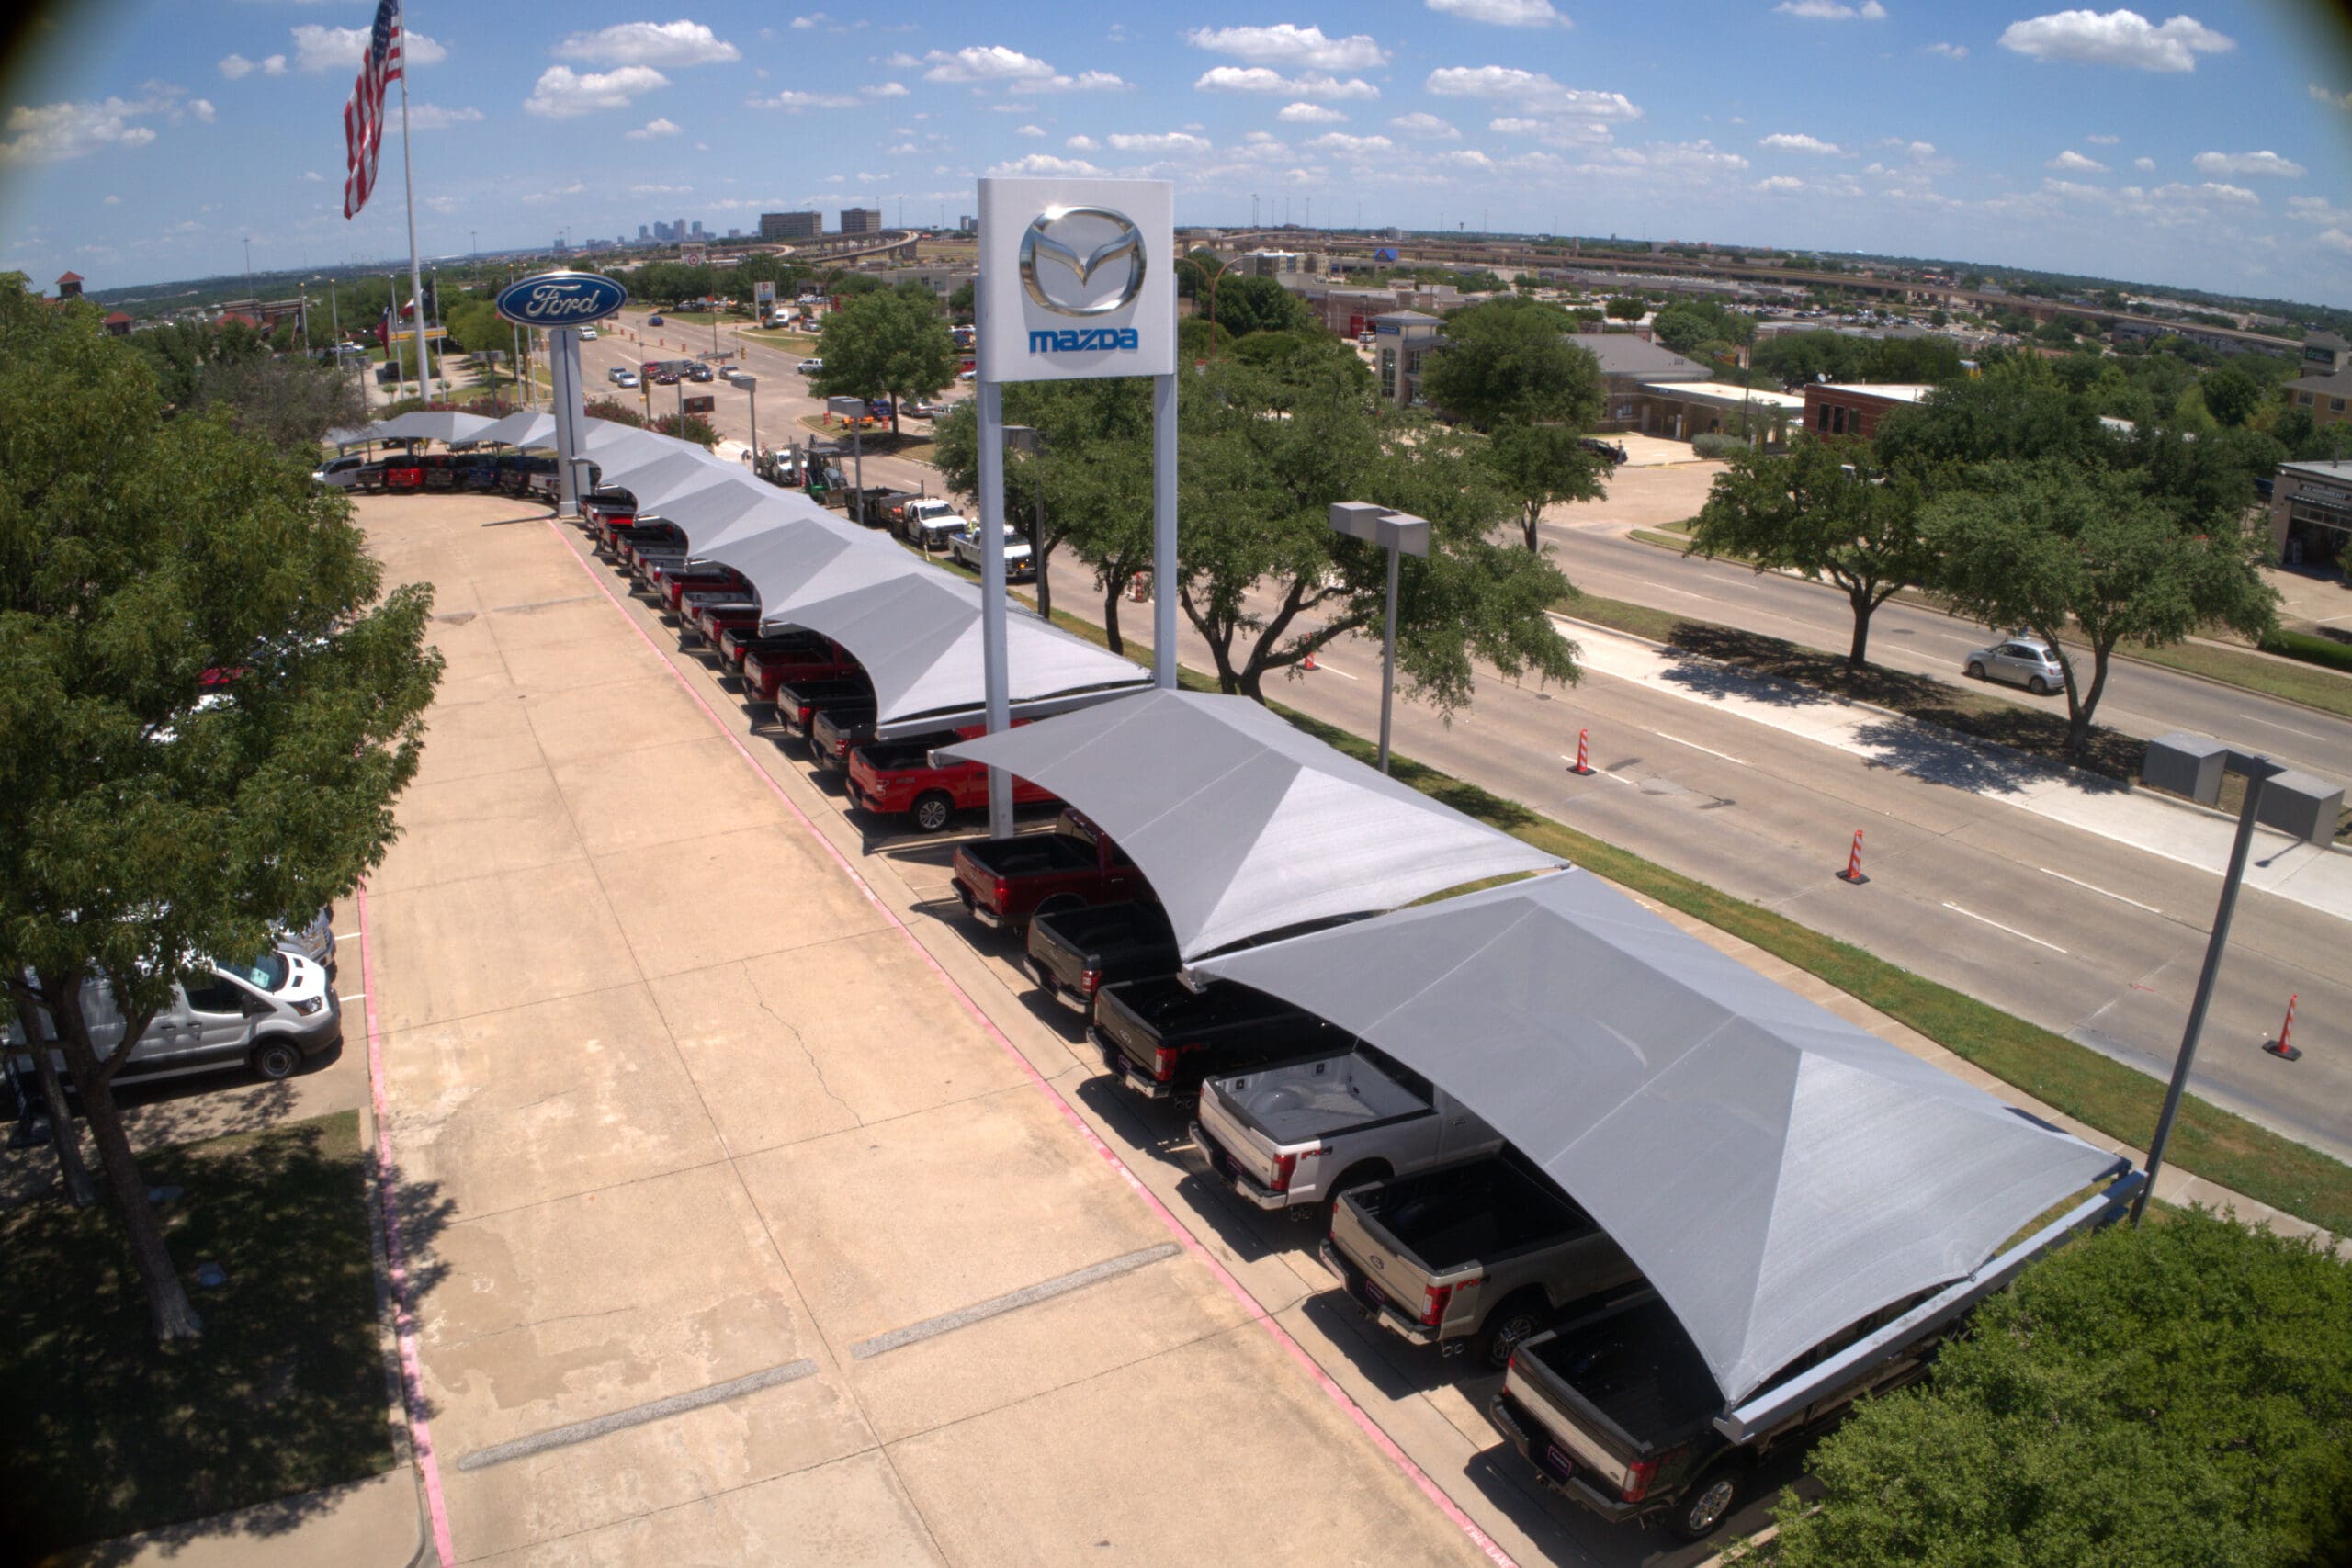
964	550
625	378
810	367
587	334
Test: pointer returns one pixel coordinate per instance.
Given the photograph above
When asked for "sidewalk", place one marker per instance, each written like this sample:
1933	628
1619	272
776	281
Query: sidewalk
362	1524
2310	875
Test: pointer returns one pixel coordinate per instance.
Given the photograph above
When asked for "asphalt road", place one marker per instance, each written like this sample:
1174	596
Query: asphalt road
2083	935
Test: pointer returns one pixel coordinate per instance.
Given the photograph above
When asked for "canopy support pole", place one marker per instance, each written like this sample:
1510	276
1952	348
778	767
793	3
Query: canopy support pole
1164	577
998	684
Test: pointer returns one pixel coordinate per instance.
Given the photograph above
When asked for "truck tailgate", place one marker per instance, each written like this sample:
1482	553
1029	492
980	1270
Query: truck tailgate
1575	1446
1378	1273
1244	1148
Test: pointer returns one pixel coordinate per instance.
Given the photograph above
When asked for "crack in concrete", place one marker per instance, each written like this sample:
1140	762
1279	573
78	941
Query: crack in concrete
807	1055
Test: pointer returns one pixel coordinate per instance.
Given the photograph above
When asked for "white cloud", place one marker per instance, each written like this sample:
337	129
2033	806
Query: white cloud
1502	13
201	108
885	90
1787	141
1832	10
1045	164
236	67
1166	141
793	102
1691	157
1781	182
2117	37
1580	134
2337	240
2073	162
1259	79
2332	100
1355	146
2316	209
2097	140
49	133
1029	130
562	93
1532	89
1285	43
661	190
652	129
649	43
433	117
117	201
332	49
984	63
1310	113
1425	126
2143	164
1082	144
273	66
1948	51
2242	164
2228	194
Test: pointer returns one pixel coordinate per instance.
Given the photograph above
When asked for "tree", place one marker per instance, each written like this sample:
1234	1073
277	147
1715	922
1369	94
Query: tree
2018	410
150	820
1826	512
1265	581
1509	361
1246	305
1538	464
885	341
2170	1396
960	303
2066	549
1626	310
2231	395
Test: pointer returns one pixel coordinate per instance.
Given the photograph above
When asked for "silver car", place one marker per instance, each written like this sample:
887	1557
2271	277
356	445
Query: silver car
2024	661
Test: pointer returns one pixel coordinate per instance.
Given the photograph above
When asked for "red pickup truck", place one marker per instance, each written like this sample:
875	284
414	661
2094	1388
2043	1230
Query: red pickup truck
716	581
765	671
711	619
1004	882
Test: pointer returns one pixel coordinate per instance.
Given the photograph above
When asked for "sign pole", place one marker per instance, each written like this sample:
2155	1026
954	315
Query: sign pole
999	682
564	356
1163	532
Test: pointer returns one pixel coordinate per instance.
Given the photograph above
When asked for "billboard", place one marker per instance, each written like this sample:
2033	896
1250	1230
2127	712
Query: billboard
764	294
1077	279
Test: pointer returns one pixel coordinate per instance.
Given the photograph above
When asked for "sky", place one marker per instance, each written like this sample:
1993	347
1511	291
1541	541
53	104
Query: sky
141	142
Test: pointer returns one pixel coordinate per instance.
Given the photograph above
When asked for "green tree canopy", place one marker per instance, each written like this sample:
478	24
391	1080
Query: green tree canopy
2177	1395
207	704
1508	361
1538	464
1826	512
1246	305
2231	395
889	341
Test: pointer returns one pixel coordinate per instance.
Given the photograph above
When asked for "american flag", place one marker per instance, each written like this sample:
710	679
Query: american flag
363	117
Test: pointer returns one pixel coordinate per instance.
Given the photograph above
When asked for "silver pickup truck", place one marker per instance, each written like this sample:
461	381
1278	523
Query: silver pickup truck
1302	1133
1489	1253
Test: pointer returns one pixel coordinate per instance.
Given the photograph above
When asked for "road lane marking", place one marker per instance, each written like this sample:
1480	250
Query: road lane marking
1323	664
1604	772
1999	927
1710	750
2103	891
1013	1300
637	1414
2273	724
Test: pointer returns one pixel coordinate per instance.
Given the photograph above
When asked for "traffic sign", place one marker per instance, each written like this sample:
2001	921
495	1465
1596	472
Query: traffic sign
701	405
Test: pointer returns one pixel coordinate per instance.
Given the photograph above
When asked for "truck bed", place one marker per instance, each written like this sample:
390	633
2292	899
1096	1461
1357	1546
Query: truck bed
1030	855
1635	1367
1471	1213
1294	1102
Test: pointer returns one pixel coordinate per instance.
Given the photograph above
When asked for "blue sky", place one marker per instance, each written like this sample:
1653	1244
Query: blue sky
2205	149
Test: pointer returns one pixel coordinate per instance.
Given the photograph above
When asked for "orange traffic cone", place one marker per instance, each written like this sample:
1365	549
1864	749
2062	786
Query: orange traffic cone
1853	871
1309	662
2284	1047
1582	766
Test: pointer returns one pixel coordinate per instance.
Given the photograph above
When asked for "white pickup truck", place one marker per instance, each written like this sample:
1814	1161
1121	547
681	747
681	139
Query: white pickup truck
932	523
1304	1132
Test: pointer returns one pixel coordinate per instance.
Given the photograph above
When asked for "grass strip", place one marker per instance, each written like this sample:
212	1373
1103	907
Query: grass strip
110	1434
2120	1101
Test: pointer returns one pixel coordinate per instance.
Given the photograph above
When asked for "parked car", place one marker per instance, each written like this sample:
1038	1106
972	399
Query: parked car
1163	1040
340	473
313	940
1489	1254
965	547
838	727
1074	953
1004	882
932	523
271	1015
897	778
810	367
701	373
1613	453
2024	661
1304	1132
613	373
625	378
1615	1411
917	409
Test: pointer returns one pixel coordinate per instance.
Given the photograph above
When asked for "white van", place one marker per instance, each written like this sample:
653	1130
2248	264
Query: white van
270	1015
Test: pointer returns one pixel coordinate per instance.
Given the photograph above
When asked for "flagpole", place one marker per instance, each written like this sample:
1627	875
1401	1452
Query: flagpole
415	272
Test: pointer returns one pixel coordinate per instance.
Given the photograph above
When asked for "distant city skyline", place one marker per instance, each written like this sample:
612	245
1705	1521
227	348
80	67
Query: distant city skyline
2207	151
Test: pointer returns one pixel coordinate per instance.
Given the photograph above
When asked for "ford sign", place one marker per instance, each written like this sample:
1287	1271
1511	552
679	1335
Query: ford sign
560	299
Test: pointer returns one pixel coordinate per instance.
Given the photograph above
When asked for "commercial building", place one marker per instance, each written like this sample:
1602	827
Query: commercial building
861	220
2311	514
1855	409
1401	340
967	225
1629	367
1271	264
791	225
1684	411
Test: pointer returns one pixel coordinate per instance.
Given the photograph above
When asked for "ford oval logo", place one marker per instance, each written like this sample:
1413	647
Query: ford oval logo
560	299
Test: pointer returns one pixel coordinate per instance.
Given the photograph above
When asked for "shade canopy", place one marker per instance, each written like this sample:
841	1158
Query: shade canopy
1776	1173
444	426
523	427
1245	823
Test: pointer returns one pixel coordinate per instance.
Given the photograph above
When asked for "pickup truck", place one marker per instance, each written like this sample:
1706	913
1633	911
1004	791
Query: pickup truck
1491	1252
1004	882
1615	1411
672	585
798	702
1162	1039
896	778
964	549
837	727
931	523
766	673
739	643
711	619
1302	1133
1075	953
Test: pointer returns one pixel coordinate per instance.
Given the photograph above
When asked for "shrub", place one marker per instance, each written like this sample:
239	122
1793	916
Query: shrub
1715	443
2175	1395
2310	649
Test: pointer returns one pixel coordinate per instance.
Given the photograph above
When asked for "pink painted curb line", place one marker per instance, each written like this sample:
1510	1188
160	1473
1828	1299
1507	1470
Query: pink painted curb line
1184	1237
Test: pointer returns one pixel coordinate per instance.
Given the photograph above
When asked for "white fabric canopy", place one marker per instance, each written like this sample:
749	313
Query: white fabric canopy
523	427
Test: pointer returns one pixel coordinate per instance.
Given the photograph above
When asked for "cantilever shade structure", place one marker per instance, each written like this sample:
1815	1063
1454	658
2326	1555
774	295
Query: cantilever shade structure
523	427
1778	1174
1244	823
443	425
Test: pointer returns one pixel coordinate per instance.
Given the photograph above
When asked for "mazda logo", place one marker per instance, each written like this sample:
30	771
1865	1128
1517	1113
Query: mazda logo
1038	246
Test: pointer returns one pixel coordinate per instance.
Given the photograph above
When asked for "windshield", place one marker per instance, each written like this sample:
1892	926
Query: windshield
268	973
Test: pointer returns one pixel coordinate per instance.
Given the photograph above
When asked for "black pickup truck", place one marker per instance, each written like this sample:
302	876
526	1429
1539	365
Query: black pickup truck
1075	953
837	727
1616	1411
798	703
1162	1039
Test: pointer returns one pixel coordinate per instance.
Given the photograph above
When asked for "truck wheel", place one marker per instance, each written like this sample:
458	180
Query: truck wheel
273	1060
933	811
1707	1505
1518	1318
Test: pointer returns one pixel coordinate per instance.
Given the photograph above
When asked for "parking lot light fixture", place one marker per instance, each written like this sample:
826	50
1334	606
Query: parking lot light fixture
1401	534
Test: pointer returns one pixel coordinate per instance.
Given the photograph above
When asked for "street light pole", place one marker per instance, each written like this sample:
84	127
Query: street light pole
751	384
853	410
1401	534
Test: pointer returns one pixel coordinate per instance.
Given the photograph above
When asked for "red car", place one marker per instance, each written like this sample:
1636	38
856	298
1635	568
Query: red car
895	778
